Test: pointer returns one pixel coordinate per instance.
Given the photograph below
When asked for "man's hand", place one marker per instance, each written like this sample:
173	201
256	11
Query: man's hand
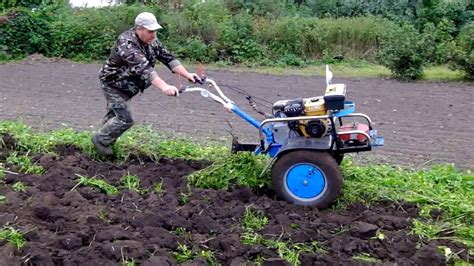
170	90
193	77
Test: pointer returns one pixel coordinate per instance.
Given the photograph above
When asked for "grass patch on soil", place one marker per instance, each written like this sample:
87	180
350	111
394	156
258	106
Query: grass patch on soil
12	236
443	193
254	220
139	140
344	69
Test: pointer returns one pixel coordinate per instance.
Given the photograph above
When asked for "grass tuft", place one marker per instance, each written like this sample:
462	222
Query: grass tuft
12	236
96	183
441	187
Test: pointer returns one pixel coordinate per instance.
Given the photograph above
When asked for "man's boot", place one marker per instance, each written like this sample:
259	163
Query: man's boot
101	148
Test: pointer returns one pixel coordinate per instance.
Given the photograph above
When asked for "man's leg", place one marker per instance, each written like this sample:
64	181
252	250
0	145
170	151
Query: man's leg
117	120
109	115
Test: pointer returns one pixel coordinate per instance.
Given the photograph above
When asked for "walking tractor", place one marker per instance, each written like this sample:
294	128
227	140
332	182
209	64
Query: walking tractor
306	139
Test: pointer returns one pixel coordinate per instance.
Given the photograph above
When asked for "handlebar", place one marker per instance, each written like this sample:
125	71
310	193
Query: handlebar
221	98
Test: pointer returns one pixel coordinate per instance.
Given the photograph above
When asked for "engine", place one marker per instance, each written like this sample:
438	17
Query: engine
315	128
332	100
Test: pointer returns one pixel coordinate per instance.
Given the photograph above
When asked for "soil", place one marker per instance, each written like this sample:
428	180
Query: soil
67	224
424	123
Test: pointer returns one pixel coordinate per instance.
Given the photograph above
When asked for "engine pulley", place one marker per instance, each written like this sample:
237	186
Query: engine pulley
314	128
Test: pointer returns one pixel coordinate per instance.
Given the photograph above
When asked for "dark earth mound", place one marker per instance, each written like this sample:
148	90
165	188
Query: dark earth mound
65	224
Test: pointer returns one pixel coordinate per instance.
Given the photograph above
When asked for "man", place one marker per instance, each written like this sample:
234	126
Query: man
130	70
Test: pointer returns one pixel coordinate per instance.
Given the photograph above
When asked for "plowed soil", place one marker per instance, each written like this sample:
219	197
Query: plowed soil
69	224
66	224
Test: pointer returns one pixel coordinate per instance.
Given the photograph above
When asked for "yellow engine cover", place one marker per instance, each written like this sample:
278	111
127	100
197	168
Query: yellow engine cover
312	107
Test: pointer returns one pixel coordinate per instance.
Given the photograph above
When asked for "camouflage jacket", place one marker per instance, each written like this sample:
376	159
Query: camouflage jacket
130	66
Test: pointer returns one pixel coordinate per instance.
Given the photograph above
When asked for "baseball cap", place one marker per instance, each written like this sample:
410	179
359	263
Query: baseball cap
148	21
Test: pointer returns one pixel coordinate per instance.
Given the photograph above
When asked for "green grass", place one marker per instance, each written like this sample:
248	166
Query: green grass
183	253
253	220
24	164
343	69
12	236
19	187
139	140
366	258
442	73
241	168
131	182
96	183
441	187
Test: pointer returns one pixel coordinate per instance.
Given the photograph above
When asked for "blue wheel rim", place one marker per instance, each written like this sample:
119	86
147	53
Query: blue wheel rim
305	181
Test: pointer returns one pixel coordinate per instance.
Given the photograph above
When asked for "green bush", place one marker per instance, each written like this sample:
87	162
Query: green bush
261	32
88	34
5	4
403	51
236	41
261	8
25	33
195	50
437	40
463	52
457	12
312	38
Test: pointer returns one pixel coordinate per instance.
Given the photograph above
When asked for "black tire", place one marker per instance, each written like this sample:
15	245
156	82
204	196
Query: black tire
324	187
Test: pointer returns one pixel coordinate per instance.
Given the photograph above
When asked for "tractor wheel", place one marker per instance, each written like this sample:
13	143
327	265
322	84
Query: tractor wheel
307	177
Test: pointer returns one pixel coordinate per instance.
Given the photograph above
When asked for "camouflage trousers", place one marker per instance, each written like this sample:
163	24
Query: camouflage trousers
118	118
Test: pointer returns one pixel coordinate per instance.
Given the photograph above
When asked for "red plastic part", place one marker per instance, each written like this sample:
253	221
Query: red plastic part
359	137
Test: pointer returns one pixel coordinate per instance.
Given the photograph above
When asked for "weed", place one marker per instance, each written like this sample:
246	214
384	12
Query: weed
12	236
242	168
379	235
364	257
96	183
139	140
131	182
19	187
183	253
2	173
184	198
24	164
2	199
209	256
126	261
251	238
440	187
182	232
294	226
158	188
429	231
254	220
